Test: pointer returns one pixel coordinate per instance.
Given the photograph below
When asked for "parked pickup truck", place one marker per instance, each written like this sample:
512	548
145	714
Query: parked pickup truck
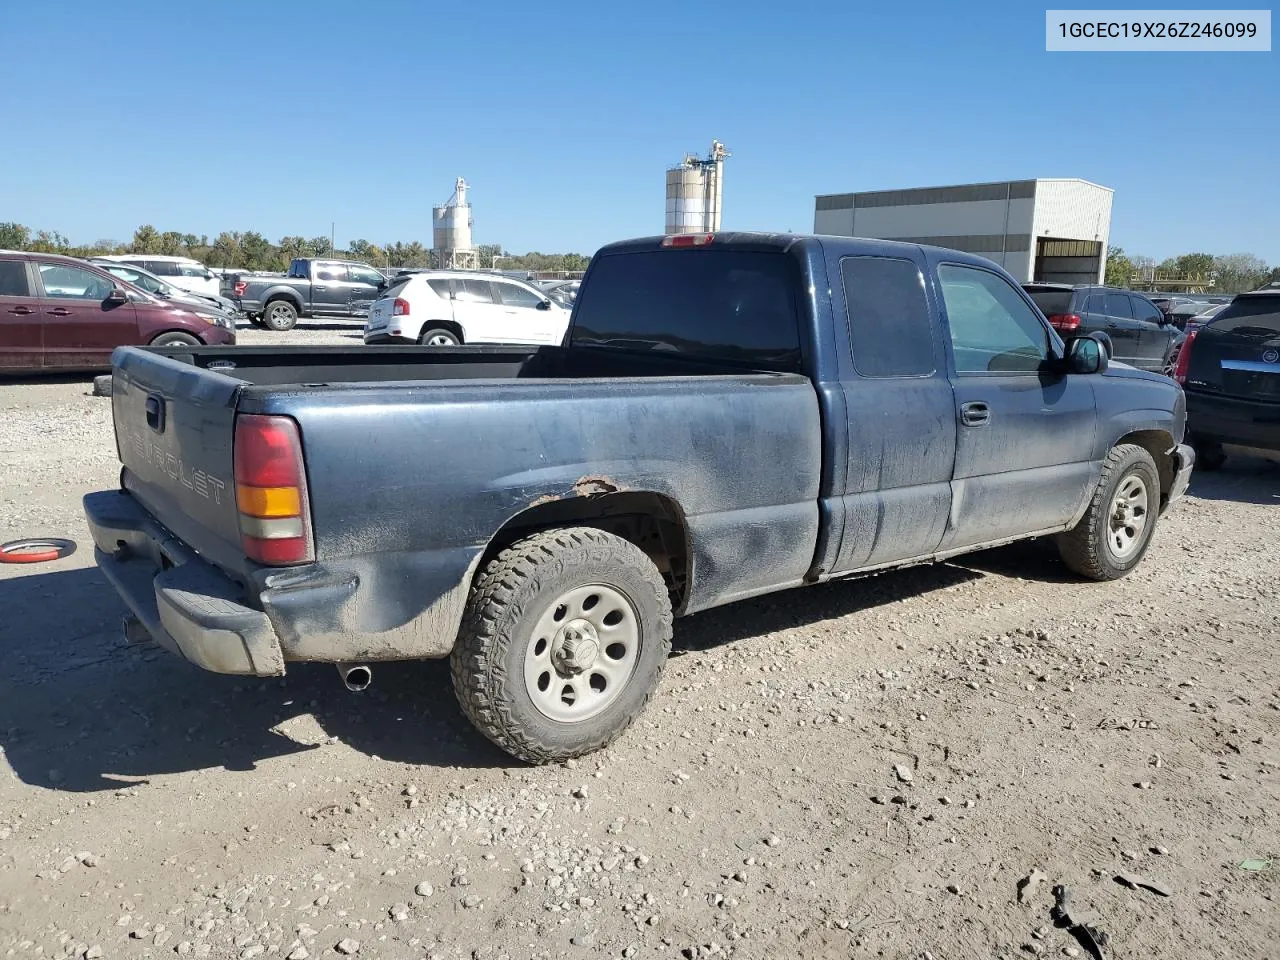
311	288
729	415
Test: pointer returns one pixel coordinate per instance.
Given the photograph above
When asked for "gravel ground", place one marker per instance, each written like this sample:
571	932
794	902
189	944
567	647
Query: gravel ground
861	769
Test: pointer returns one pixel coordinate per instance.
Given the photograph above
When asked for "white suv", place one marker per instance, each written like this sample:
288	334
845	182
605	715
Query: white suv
447	307
185	273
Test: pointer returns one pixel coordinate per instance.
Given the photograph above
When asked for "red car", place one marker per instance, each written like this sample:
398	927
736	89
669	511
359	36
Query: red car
59	313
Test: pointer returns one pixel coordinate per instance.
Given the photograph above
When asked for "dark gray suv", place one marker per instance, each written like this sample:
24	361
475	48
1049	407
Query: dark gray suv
1141	335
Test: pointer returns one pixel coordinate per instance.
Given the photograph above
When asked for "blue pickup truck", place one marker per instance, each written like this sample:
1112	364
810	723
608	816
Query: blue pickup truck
729	415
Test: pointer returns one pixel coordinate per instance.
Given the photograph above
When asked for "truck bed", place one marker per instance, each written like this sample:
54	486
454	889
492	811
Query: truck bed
327	365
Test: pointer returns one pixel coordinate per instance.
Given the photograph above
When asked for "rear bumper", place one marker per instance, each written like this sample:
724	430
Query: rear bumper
386	606
187	605
373	339
1249	423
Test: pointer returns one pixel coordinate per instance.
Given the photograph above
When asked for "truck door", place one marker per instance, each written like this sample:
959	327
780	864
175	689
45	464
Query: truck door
898	401
20	325
1024	435
367	285
330	290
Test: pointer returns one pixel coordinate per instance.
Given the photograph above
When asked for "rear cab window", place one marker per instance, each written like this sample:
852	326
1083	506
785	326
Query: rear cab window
727	305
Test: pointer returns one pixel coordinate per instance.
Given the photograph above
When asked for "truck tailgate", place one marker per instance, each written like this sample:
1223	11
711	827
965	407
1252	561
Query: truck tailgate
175	428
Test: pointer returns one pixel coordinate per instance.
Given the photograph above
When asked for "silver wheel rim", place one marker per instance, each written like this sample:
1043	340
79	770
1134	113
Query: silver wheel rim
441	340
280	315
1128	517
582	654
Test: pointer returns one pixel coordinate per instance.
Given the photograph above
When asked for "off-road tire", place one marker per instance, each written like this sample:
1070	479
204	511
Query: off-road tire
1085	548
280	315
509	595
175	340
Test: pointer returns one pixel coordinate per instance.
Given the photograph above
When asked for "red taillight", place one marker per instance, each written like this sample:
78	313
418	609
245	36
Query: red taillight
1064	322
271	490
1184	358
240	287
400	308
688	240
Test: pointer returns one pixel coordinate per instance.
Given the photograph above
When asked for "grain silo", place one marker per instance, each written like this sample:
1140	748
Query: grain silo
451	231
695	192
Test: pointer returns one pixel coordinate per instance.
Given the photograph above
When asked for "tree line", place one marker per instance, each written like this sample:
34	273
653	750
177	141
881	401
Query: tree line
250	250
1229	273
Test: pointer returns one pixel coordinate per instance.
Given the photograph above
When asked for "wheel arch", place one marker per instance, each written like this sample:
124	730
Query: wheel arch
283	293
185	333
654	522
451	325
1160	444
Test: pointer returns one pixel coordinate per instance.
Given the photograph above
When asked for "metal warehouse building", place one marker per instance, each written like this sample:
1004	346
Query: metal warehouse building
1054	230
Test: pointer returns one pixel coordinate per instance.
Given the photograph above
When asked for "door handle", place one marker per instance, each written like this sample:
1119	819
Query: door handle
974	414
59	312
22	311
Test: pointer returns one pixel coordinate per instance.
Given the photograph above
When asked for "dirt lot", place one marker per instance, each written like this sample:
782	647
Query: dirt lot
860	769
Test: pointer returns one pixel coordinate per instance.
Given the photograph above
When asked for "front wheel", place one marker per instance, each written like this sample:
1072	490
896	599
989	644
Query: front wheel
175	340
563	643
1115	532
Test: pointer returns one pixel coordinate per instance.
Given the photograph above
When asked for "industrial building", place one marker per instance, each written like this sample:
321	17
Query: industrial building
1050	230
695	192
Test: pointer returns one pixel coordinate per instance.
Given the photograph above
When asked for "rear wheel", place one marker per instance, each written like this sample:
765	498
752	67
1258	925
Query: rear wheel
280	315
563	643
1113	536
175	340
439	337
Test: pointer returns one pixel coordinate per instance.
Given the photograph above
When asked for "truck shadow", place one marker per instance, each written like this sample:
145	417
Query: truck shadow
82	712
1242	479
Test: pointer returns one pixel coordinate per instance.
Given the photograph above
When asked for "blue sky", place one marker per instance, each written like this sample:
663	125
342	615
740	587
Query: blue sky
282	117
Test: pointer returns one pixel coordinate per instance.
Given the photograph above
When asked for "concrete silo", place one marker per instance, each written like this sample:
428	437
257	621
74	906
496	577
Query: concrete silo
695	192
451	231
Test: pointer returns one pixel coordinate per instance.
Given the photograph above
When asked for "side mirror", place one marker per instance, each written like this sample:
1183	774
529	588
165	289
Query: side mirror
544	305
1086	355
117	296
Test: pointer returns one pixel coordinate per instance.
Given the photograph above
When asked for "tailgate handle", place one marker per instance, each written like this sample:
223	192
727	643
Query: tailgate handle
155	413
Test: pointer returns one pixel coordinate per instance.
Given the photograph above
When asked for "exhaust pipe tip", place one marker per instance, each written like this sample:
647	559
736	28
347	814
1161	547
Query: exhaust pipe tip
356	677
